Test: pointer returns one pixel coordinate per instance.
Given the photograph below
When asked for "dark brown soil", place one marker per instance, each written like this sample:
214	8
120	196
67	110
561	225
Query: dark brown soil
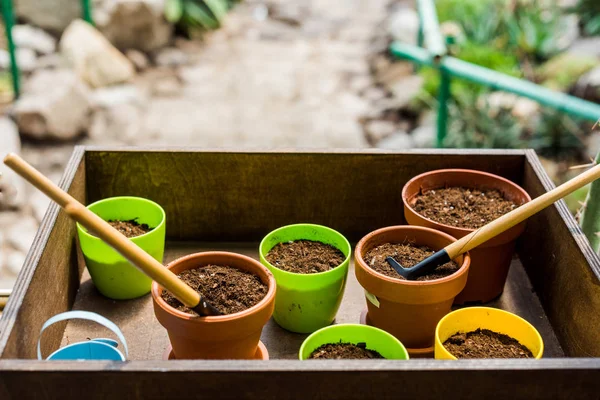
228	289
344	351
130	228
305	257
407	255
484	343
463	208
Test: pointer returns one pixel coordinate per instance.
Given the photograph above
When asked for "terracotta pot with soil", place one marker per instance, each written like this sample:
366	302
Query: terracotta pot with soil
310	264
238	286
409	310
483	332
458	201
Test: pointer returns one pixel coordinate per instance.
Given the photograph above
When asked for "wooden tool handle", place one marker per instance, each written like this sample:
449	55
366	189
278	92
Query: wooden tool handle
132	252
520	214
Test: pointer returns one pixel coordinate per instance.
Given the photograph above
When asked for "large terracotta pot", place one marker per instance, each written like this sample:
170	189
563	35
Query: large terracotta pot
409	310
490	261
233	336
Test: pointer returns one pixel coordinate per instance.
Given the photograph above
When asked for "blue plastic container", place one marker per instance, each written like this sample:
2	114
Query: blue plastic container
94	349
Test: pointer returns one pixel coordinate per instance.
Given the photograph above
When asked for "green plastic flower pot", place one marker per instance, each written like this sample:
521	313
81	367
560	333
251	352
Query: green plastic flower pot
112	274
307	302
376	339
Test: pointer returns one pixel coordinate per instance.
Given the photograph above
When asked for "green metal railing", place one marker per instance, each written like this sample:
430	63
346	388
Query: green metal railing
434	54
9	21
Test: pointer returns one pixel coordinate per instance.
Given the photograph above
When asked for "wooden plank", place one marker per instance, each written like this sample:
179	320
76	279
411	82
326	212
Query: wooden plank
148	340
563	268
225	196
365	379
49	279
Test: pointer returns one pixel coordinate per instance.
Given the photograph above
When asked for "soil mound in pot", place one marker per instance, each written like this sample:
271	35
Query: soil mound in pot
407	255
130	228
304	257
462	207
484	343
229	289
344	351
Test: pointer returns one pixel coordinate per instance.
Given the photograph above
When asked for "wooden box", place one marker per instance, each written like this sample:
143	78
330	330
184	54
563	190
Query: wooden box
230	200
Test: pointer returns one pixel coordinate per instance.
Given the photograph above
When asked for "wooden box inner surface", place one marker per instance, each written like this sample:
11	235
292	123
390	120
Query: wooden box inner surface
230	200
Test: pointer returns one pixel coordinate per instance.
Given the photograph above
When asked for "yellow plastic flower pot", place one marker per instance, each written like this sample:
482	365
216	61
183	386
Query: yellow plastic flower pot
472	318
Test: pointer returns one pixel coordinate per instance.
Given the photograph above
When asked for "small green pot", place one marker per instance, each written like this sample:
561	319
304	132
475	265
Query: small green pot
112	274
376	339
307	302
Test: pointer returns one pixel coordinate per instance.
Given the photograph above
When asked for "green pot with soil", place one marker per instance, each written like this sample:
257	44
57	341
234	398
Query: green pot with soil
458	201
408	309
310	264
144	222
241	288
352	341
483	332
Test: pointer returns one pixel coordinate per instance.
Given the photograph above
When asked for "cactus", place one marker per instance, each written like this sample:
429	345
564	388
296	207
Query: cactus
590	213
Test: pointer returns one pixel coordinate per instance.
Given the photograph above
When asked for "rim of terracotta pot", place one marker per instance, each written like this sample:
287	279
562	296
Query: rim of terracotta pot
269	297
359	257
463	231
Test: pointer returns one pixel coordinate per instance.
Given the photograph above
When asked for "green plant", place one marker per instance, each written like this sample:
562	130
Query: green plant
590	213
197	14
481	55
533	30
557	136
589	12
474	125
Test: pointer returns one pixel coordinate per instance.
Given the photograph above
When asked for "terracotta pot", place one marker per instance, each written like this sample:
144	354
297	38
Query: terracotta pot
490	261
233	336
409	310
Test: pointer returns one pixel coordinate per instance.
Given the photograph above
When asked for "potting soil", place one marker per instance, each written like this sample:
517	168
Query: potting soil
304	256
407	255
130	228
484	343
462	207
229	289
344	351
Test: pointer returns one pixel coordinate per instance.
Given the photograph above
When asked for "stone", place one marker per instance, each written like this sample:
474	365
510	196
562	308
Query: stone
424	136
171	57
398	141
134	24
569	31
588	86
39	204
20	235
521	108
12	186
587	47
377	130
96	61
404	90
403	25
26	59
55	105
169	85
27	36
138	59
51	15
394	72
118	113
122	124
117	95
51	61
14	261
564	70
